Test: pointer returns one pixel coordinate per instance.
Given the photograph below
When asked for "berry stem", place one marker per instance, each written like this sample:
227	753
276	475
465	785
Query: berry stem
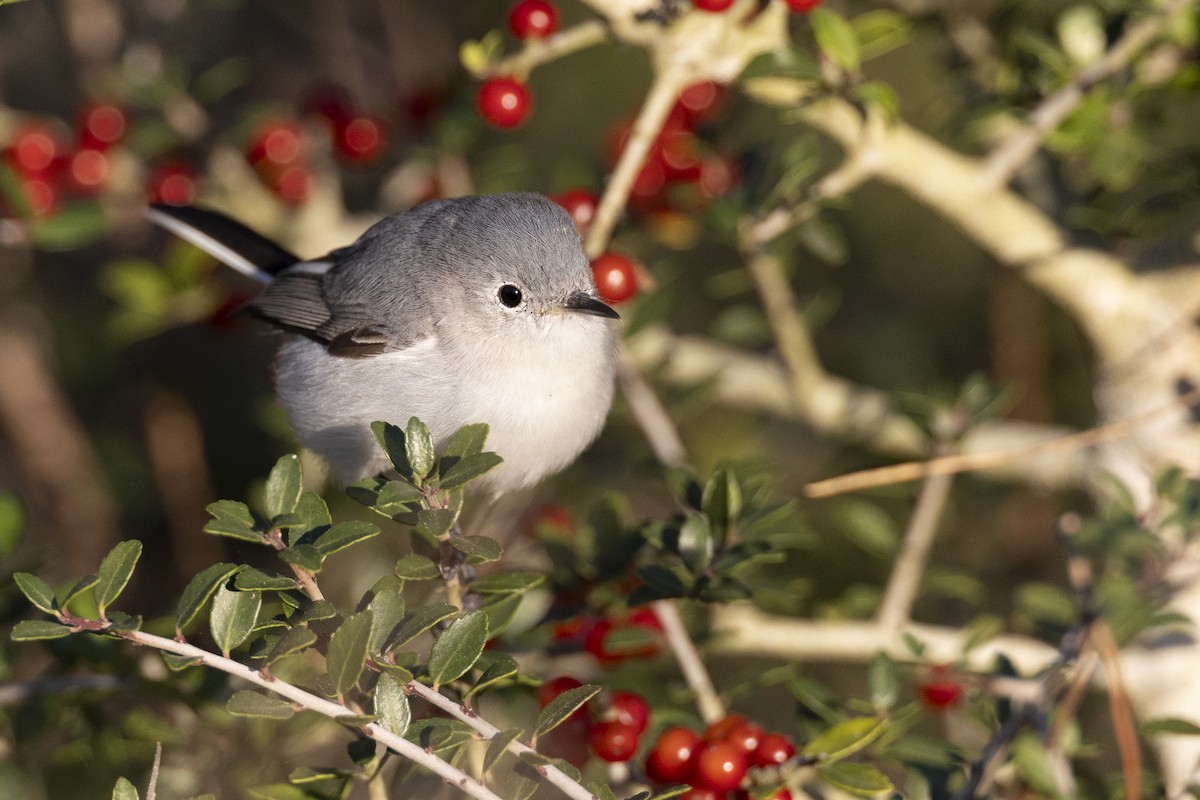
540	51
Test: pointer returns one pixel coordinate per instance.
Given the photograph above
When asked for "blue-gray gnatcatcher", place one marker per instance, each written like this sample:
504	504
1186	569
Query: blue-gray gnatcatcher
475	309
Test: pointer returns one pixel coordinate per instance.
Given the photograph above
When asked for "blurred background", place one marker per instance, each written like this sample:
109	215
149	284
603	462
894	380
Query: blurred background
132	393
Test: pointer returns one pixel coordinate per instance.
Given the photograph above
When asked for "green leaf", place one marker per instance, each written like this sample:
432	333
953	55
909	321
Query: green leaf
12	522
498	745
600	790
303	555
233	519
696	543
278	791
507	582
115	571
420	621
295	640
391	704
722	501
458	648
465	442
82	585
1170	725
233	616
395	496
563	706
73	226
344	534
199	589
520	783
434	523
859	780
251	579
391	440
484	548
846	738
387	612
282	493
348	651
663	581
311	512
414	567
418	447
500	610
245	703
124	790
502	666
1033	762
37	591
882	681
836	38
29	630
868	527
469	468
880	31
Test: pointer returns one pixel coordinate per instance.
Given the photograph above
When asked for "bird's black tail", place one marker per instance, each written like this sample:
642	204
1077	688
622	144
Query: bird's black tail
225	239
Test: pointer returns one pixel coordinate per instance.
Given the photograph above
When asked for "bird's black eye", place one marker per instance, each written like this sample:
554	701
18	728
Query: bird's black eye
509	295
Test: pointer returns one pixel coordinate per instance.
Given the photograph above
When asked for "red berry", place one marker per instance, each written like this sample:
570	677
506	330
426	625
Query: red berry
291	185
747	736
89	169
720	766
679	154
700	100
717	176
781	794
941	689
802	6
331	102
360	140
717	731
670	760
712	5
552	518
101	125
630	709
533	19
570	741
41	196
173	184
773	749
580	204
554	687
277	143
614	741
697	793
504	102
615	278
645	617
34	150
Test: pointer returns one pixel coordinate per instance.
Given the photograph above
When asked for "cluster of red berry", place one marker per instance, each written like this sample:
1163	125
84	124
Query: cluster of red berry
717	762
613	736
608	639
799	6
504	100
49	167
277	148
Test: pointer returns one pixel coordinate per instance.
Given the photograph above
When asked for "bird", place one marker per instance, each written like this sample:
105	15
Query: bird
457	311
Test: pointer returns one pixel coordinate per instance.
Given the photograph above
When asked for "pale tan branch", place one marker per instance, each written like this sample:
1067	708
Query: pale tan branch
904	582
690	663
540	51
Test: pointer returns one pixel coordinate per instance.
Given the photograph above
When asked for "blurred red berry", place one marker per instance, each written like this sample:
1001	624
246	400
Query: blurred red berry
670	760
712	5
41	196
360	140
717	176
34	150
614	741
580	204
277	144
89	170
940	689
331	102
173	184
552	518
802	6
717	731
631	709
615	278
533	19
556	686
746	736
101	125
679	154
720	766
774	748
504	102
644	617
700	100
291	185
570	741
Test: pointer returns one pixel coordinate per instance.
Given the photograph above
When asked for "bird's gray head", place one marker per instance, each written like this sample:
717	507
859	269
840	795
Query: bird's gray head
507	257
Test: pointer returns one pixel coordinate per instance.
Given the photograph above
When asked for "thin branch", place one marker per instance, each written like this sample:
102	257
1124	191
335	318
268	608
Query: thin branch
694	671
152	784
414	752
489	731
1007	157
1118	705
540	51
649	413
954	464
901	592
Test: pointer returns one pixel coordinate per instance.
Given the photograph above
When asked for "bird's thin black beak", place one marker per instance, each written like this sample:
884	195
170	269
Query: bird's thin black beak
586	304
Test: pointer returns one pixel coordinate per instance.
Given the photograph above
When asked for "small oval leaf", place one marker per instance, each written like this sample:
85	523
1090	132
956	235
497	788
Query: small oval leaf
418	447
199	589
391	704
115	571
245	703
284	486
458	648
37	591
348	651
563	706
30	630
233	616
